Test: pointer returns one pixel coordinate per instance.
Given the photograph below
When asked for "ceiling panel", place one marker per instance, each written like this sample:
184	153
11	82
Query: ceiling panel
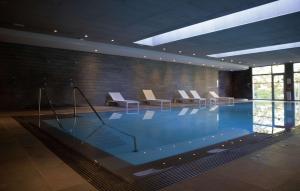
127	21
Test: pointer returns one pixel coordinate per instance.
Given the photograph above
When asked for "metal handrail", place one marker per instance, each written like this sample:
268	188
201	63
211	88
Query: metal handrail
98	116
50	105
88	102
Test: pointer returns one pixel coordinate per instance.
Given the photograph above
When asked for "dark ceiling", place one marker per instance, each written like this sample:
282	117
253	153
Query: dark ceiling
127	21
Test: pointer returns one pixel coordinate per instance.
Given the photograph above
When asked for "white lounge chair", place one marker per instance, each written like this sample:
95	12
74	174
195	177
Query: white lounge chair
197	96
184	96
215	98
118	98
150	97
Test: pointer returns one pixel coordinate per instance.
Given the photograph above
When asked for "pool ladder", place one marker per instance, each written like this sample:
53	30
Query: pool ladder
76	89
50	104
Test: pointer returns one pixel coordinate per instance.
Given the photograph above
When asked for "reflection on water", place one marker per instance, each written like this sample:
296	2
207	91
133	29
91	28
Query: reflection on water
162	133
297	114
274	117
183	111
148	115
268	117
115	116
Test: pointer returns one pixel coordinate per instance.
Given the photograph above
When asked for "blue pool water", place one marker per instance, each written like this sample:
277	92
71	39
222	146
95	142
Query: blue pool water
164	133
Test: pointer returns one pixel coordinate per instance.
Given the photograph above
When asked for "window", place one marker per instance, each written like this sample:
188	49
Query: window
268	82
277	69
278	87
262	87
297	67
261	70
297	81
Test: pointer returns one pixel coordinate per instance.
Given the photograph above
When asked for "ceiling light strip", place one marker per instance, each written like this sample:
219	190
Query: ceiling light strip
252	15
257	50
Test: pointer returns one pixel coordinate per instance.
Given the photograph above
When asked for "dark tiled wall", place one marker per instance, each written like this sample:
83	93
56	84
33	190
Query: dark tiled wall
237	84
25	68
225	80
242	84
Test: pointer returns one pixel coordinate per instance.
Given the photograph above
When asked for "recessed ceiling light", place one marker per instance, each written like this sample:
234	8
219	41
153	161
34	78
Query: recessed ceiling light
222	59
145	56
291	61
179	51
257	50
251	15
194	54
55	30
96	50
112	40
85	36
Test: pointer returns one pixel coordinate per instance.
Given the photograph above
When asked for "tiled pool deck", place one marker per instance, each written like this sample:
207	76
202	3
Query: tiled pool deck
26	164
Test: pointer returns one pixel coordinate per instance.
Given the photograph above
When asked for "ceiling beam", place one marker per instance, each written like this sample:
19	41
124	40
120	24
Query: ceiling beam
44	40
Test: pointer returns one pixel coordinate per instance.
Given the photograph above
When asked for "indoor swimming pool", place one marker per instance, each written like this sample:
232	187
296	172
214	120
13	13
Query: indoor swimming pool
144	136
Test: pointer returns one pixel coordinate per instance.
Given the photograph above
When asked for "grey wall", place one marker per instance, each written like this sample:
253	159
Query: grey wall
25	68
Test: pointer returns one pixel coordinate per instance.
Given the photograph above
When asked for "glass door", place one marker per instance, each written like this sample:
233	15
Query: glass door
278	87
297	81
297	86
268	82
